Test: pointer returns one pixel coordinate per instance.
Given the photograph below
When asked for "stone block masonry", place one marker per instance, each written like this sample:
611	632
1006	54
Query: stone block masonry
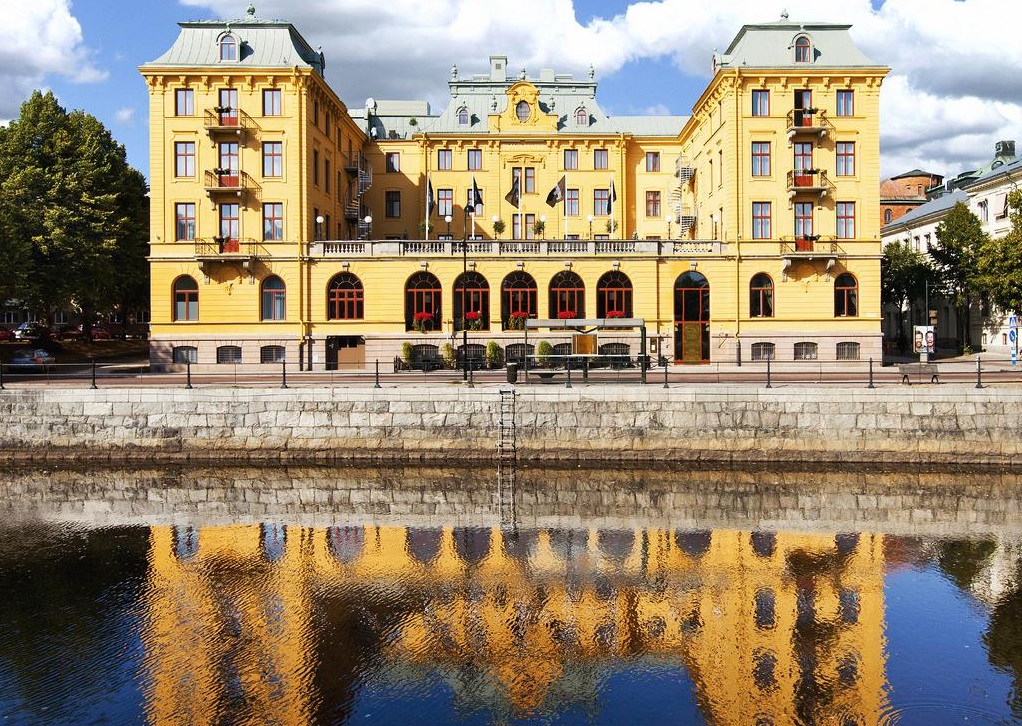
448	424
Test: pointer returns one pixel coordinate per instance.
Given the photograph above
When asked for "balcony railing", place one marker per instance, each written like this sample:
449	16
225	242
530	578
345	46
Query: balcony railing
230	182
223	248
228	121
514	248
808	121
808	181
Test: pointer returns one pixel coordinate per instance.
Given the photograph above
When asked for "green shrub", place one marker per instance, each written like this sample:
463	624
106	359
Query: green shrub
447	354
493	354
543	352
406	352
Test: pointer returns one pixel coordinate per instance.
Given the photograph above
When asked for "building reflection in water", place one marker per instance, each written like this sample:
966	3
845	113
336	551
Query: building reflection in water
277	624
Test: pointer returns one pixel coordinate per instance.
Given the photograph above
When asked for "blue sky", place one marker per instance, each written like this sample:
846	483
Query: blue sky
946	101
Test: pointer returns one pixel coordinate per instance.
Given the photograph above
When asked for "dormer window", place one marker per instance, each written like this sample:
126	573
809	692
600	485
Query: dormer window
228	48
463	117
803	50
523	111
582	117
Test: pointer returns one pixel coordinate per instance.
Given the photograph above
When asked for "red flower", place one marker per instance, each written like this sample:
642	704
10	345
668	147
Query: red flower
615	313
423	317
566	315
472	315
520	314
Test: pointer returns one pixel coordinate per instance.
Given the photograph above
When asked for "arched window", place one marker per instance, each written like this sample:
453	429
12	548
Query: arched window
803	50
345	298
517	300
423	302
761	296
848	351
228	354
582	117
228	48
614	296
463	116
763	351
471	302
186	299
806	350
888	215
523	111
273	297
567	296
846	296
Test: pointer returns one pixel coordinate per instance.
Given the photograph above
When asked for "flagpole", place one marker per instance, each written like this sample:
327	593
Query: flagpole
564	205
427	195
521	193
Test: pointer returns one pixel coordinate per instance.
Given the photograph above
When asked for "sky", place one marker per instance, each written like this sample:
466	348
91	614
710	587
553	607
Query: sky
955	86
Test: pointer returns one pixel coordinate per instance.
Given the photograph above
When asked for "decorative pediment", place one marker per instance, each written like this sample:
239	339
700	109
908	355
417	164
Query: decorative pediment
523	113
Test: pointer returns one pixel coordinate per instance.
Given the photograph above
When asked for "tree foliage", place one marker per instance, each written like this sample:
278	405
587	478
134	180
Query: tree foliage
73	214
1001	262
903	276
960	238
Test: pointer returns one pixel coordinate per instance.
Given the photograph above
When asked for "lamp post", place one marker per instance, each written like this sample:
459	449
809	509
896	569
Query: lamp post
590	219
669	226
469	209
369	226
447	218
319	227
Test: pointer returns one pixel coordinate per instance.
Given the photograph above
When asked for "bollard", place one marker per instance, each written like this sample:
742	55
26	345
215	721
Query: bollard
568	384
377	384
665	374
188	374
471	374
94	373
768	373
1	375
979	373
283	374
870	374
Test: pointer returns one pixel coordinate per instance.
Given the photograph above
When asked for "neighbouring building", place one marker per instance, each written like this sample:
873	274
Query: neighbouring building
285	227
903	193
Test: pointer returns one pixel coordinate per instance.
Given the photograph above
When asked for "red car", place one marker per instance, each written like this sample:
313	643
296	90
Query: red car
6	335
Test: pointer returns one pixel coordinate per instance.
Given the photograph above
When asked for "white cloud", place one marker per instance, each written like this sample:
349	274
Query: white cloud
125	115
953	90
39	38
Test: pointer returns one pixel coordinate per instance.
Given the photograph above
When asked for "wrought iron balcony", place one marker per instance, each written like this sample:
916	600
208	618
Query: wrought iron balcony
225	121
227	182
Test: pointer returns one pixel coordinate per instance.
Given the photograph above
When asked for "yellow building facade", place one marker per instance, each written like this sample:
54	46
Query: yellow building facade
331	238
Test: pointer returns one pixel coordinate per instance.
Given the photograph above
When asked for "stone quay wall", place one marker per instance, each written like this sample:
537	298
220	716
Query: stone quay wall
954	423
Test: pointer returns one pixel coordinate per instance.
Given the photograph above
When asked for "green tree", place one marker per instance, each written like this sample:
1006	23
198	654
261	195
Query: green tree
1000	262
903	276
956	261
73	213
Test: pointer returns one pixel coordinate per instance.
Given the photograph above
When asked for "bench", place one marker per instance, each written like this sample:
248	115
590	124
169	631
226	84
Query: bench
919	370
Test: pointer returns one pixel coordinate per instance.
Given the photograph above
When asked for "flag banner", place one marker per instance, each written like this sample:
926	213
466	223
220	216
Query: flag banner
556	195
477	196
513	196
612	198
430	203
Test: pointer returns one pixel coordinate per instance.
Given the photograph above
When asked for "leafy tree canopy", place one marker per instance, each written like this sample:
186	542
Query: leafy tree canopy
1001	262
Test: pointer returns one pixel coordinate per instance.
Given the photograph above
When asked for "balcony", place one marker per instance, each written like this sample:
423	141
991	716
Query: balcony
808	122
809	248
226	250
516	249
808	181
220	121
227	183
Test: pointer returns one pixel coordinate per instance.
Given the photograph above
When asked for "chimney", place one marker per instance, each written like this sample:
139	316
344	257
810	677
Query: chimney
498	68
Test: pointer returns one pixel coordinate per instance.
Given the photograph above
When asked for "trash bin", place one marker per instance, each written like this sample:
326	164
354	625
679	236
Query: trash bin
512	373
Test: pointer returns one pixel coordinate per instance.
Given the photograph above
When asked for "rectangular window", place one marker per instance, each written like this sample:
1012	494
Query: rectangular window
761	158
470	202
601	159
761	103
601	202
570	159
845	158
273	159
443	159
652	204
530	180
393	162
271	102
229	163
803	219
761	220
184	102
230	223
516	226
475	159
228	109
392	205
720	168
445	202
803	157
184	158
845	103
571	202
273	221
846	220
652	161
326	175
184	215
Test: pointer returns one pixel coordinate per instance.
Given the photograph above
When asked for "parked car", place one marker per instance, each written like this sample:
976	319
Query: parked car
78	332
98	332
6	335
32	331
29	360
70	332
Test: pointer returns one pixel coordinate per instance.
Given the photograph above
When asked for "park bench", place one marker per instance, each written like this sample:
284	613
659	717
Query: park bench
919	370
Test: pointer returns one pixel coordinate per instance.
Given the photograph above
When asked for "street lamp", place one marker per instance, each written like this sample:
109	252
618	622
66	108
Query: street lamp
669	226
447	218
319	227
590	219
369	226
469	209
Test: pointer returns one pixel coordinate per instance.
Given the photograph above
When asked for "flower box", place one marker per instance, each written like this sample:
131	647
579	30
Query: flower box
566	315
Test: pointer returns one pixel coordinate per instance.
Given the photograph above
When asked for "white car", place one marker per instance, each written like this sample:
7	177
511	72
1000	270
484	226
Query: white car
29	360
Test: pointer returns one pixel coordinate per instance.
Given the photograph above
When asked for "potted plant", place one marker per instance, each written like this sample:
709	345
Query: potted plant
615	313
473	320
424	227
447	355
498	228
493	354
538	227
517	320
566	315
543	352
422	321
611	226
